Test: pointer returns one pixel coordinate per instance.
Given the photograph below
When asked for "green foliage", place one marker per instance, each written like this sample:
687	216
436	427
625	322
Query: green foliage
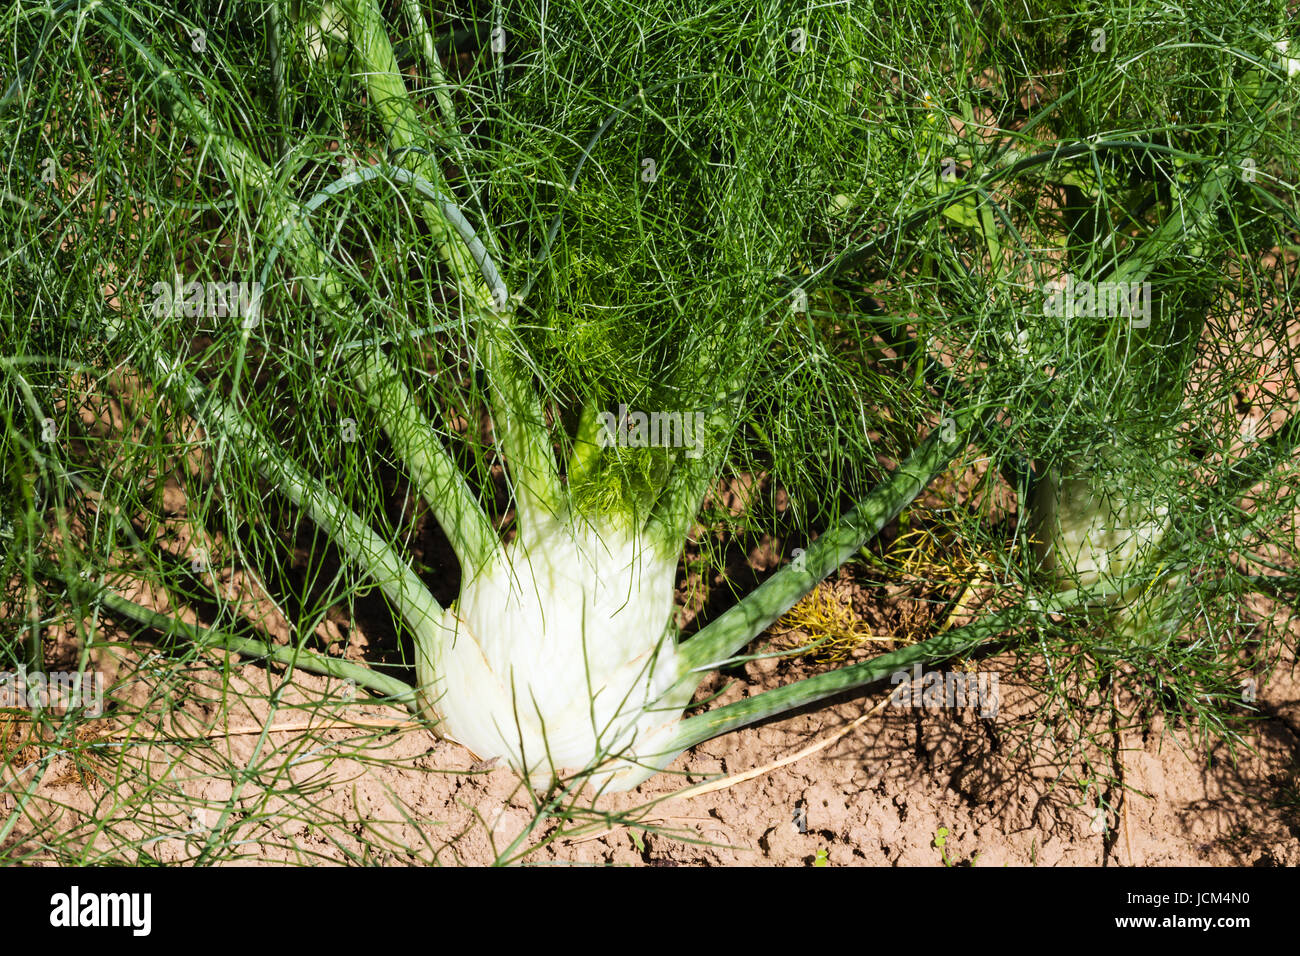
851	220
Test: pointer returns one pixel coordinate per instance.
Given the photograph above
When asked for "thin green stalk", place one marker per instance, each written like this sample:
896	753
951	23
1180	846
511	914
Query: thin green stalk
278	77
953	643
357	540
689	481
33	645
518	419
510	383
390	687
441	483
406	135
1059	153
585	456
423	38
1194	215
462	522
65	727
757	611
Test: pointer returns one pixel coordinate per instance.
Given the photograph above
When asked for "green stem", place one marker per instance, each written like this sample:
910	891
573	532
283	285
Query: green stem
1283	587
518	419
463	523
944	646
688	483
391	687
746	620
1182	225
441	483
53	750
348	530
585	457
423	36
519	427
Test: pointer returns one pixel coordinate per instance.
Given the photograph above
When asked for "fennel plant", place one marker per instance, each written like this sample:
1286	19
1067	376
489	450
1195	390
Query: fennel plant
822	237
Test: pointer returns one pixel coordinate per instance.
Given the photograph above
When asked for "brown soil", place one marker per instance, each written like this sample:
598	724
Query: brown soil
877	795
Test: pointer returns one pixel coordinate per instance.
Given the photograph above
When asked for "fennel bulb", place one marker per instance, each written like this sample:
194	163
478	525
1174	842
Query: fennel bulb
324	34
1290	63
562	650
1086	534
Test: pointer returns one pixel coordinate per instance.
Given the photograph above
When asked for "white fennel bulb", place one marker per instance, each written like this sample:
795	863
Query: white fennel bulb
1087	534
562	652
1290	63
324	33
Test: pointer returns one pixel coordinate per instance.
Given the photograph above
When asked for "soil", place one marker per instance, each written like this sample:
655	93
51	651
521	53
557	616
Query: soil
902	786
